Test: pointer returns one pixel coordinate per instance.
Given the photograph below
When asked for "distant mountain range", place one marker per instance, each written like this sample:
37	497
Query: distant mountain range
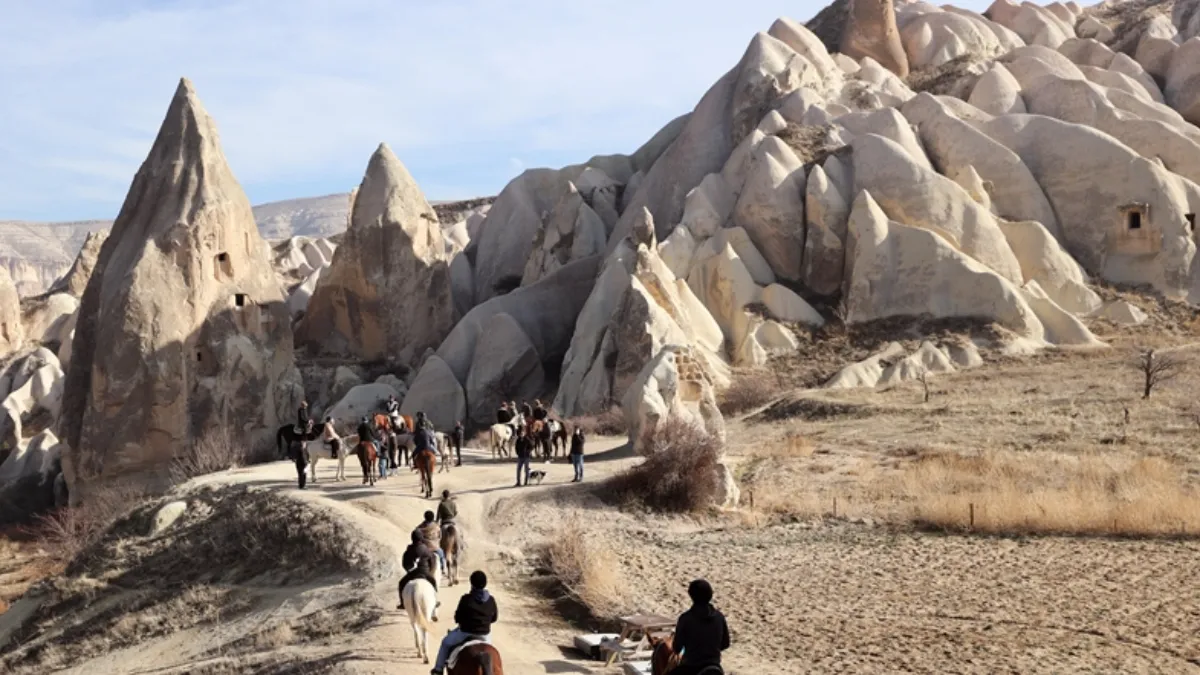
37	253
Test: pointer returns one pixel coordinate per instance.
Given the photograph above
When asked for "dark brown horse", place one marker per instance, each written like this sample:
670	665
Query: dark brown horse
481	659
425	461
539	431
287	435
559	437
367	457
664	659
450	547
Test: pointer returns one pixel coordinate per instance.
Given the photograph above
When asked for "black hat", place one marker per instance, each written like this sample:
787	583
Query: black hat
478	579
700	592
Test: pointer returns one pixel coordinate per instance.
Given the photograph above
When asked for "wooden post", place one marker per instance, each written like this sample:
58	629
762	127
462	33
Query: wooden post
972	516
835	507
752	500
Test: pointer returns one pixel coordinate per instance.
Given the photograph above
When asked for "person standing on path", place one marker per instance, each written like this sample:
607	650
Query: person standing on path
475	615
577	454
456	437
300	456
524	452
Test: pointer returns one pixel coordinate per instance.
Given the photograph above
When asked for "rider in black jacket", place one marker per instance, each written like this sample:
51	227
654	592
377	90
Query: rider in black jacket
701	633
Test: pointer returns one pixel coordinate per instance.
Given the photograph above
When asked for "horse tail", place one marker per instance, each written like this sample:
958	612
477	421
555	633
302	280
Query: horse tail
279	436
485	662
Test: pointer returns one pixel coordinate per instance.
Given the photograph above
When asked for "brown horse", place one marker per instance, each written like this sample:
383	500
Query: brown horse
665	659
367	457
425	461
450	547
481	659
539	431
559	437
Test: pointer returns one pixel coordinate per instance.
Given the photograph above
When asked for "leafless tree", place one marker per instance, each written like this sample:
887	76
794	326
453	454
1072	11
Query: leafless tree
1157	368
925	383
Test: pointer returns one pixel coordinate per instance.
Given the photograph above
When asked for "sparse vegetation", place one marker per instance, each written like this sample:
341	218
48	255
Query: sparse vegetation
588	570
1157	368
749	390
217	450
611	422
66	532
680	473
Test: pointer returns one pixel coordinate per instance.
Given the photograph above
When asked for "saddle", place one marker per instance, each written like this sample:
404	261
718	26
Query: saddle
471	642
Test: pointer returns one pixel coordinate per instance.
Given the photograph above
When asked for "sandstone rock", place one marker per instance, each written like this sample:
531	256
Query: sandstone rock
572	231
729	494
297	302
1123	313
708	206
1186	16
911	194
871	31
507	367
785	305
896	270
12	331
887	88
30	459
1087	52
997	92
739	240
1043	260
826	210
964	355
75	280
49	319
724	286
361	401
771	207
462	285
672	384
393	382
807	45
167	516
387	292
344	380
1123	65
437	393
1060	326
1155	55
890	124
936	38
1182	88
677	251
928	359
1115	80
182	328
866	373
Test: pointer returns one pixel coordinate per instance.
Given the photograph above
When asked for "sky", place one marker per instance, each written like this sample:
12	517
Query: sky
467	93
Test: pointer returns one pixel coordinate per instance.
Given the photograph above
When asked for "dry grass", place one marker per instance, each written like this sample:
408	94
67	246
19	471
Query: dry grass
608	423
66	532
218	450
680	474
749	389
1018	493
587	569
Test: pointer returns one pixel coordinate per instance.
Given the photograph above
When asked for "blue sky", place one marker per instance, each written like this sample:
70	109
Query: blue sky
468	93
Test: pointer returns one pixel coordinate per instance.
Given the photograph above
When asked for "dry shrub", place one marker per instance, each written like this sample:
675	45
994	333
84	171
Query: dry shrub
66	532
749	390
680	474
588	570
218	450
611	422
1014	493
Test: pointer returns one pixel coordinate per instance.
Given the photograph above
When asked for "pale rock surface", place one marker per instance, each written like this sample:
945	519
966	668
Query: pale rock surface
183	326
437	393
462	285
361	401
968	179
964	355
299	298
889	123
936	38
75	280
507	367
1182	88
344	379
724	285
871	31
1155	55
1043	260
12	331
49	319
1061	327
927	359
919	197
1087	52
807	45
1122	64
786	306
572	231
167	516
677	251
739	240
997	92
1123	313
671	384
826	210
866	373
708	206
1089	27
771	207
1115	80
31	459
897	270
393	382
387	292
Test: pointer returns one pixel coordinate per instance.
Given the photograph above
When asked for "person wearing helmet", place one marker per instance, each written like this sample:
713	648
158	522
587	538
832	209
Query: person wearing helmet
701	633
422	422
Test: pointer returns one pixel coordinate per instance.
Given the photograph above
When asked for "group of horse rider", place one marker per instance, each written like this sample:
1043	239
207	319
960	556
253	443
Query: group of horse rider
526	440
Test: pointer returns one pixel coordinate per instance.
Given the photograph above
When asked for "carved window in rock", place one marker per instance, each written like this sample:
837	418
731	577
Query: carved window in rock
1191	222
1134	219
1134	231
223	267
206	361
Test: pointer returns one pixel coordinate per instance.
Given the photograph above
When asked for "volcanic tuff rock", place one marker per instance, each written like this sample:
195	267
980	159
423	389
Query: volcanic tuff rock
387	292
12	331
182	329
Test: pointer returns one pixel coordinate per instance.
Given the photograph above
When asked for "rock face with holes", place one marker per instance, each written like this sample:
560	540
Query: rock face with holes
182	329
674	383
387	292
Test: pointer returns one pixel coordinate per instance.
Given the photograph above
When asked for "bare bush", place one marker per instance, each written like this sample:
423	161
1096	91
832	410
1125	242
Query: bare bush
611	422
217	450
1157	368
748	390
1015	493
680	474
587	569
67	531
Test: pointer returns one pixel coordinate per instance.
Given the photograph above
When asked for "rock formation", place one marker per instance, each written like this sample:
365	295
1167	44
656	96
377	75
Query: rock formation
75	281
871	32
386	294
12	331
182	328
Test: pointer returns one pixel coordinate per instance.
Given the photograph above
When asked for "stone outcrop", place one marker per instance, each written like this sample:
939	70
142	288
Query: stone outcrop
386	294
12	331
871	32
673	383
75	281
182	328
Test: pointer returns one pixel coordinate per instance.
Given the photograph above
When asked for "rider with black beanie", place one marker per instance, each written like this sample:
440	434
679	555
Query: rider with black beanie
701	633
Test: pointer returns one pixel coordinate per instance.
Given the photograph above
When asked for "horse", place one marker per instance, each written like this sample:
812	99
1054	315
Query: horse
318	450
425	461
664	659
420	602
558	437
367	458
287	435
501	436
478	659
445	448
450	547
540	433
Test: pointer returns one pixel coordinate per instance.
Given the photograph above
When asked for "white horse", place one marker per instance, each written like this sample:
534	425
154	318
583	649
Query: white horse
318	450
445	448
420	602
501	435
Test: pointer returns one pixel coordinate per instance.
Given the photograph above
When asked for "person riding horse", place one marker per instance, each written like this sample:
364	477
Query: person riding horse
539	411
504	415
701	633
475	614
330	436
392	408
447	512
418	560
303	421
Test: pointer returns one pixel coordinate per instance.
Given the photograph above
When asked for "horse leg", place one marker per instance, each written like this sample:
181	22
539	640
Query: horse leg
312	464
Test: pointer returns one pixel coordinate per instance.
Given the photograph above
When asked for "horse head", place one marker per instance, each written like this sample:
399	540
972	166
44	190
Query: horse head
663	659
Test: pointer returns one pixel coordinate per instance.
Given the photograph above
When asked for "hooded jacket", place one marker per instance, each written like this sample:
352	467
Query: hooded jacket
476	612
702	634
